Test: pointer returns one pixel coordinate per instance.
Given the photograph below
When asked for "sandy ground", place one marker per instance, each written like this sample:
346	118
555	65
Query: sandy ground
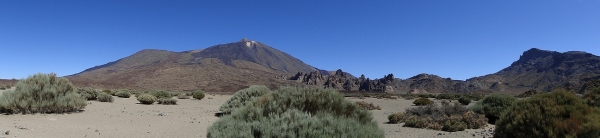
190	118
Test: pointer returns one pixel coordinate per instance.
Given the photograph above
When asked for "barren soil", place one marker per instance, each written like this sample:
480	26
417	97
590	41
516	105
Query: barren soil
190	118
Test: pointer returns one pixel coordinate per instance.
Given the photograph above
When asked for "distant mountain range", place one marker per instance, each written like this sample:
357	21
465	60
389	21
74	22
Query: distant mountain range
233	66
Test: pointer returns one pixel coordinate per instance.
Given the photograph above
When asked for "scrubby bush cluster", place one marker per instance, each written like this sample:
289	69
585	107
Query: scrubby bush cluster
198	95
4	87
592	97
445	96
297	112
88	93
528	93
42	93
422	101
183	96
123	94
549	115
409	96
493	106
367	106
160	94
464	100
104	97
445	118
242	97
147	99
167	101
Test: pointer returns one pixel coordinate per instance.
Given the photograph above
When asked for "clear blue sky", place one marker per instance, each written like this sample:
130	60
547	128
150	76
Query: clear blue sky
450	38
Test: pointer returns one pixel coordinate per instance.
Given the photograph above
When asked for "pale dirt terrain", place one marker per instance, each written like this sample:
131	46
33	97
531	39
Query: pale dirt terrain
190	118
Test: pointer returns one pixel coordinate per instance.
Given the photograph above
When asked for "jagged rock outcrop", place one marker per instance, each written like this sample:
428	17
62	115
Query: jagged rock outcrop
536	69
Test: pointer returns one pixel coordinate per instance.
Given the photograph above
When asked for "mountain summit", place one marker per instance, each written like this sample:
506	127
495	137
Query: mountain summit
220	68
256	52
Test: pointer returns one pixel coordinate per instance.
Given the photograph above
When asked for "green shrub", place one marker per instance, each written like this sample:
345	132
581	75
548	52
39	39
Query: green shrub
104	97
147	99
161	94
445	96
109	92
198	95
183	96
444	118
167	101
422	101
42	93
464	100
454	125
409	96
123	94
592	98
493	106
88	93
528	93
476	97
297	112
550	115
396	118
241	97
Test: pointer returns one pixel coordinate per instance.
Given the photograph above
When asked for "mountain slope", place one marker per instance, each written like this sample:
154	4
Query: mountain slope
544	70
221	68
536	69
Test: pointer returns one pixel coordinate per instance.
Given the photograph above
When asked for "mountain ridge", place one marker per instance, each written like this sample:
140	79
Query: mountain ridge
232	66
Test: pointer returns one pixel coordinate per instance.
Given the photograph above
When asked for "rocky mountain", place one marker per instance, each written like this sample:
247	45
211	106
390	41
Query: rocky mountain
221	68
536	69
544	70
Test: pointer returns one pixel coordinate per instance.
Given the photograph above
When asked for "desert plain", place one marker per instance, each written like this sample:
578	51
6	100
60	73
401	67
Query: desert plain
125	117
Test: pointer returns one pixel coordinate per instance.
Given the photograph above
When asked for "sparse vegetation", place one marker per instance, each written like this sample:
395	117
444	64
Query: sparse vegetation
592	97
123	94
422	101
297	112
183	96
167	101
464	100
445	102
147	99
528	93
42	93
367	106
555	114
104	97
198	95
160	94
445	118
396	118
109	92
493	106
409	96
241	97
445	96
88	93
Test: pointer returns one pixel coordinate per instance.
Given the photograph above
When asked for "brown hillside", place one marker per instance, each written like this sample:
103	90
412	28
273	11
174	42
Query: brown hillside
222	68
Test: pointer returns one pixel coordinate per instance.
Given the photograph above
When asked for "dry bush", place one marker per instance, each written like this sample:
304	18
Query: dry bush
549	115
297	112
367	106
146	99
167	101
422	101
103	97
446	118
42	93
